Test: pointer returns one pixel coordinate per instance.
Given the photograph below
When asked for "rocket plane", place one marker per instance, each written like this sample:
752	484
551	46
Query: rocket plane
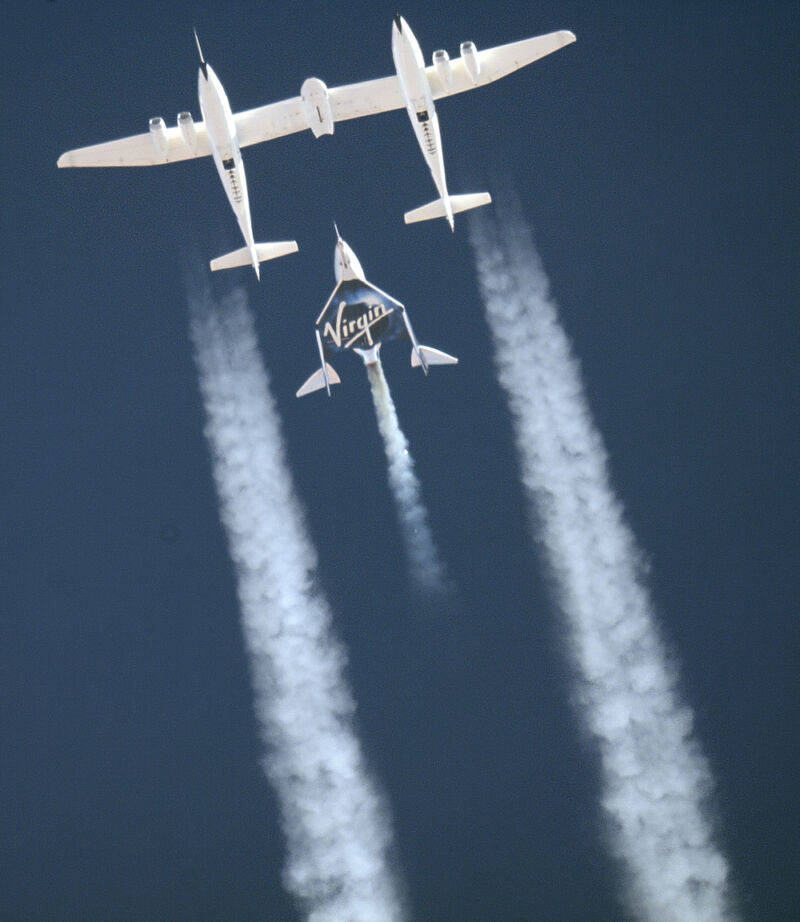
359	317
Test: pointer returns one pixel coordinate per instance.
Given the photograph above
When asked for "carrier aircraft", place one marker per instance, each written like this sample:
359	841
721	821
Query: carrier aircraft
414	87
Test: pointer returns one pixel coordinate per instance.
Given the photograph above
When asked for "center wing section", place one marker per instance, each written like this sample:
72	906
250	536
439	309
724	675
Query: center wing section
352	100
274	120
368	98
357	316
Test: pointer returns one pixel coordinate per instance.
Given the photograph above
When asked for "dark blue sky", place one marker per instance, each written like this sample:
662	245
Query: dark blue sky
656	160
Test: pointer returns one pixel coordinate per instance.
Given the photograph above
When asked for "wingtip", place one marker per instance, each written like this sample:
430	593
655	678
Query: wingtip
67	159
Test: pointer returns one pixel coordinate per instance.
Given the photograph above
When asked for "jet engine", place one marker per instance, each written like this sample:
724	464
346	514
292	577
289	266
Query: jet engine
317	106
188	133
158	132
441	61
469	54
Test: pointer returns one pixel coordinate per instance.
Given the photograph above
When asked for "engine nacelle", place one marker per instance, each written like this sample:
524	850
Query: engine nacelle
158	132
188	132
469	54
441	61
317	106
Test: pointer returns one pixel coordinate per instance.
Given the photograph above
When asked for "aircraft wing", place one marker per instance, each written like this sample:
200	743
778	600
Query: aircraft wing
358	315
139	150
275	120
368	98
495	63
271	121
288	116
354	100
354	291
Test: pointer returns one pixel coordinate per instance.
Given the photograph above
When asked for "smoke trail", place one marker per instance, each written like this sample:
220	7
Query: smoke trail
426	568
655	780
337	827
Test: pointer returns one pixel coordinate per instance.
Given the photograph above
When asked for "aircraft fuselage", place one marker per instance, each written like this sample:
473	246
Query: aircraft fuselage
410	67
218	118
346	265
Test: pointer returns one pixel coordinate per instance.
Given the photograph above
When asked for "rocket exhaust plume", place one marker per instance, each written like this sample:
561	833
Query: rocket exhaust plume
655	781
426	568
336	824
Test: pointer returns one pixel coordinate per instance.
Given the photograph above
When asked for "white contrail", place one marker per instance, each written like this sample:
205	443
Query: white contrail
336	824
656	782
426	567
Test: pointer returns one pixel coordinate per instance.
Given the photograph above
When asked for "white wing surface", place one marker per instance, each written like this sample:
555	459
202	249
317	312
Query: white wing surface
139	150
356	99
355	287
496	62
271	121
288	116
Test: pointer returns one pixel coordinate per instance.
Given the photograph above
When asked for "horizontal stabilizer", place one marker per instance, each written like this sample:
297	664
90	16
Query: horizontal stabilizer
458	203
264	251
317	381
432	357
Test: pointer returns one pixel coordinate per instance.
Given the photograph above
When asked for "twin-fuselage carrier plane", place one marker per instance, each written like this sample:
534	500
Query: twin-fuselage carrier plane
223	133
359	317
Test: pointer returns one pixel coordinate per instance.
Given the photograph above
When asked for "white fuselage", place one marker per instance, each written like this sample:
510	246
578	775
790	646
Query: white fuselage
221	128
410	67
345	263
346	267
